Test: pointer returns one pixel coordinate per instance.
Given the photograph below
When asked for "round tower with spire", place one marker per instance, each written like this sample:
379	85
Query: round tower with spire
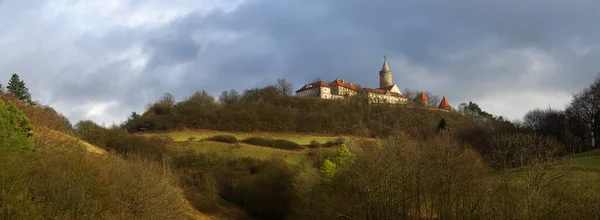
385	75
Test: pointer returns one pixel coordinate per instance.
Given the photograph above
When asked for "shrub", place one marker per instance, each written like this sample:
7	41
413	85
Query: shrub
522	149
286	145
15	129
224	138
265	142
258	141
336	142
314	144
124	144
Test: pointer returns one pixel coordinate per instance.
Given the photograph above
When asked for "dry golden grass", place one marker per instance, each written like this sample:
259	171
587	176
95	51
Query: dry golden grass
45	137
51	140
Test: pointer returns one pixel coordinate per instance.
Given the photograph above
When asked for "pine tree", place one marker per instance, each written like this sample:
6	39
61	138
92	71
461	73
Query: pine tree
344	157
17	88
442	125
327	171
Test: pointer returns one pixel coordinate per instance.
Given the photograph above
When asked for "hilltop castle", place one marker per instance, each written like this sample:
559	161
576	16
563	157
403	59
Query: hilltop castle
387	92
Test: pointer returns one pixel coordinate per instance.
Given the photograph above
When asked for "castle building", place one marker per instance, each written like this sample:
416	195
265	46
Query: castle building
388	92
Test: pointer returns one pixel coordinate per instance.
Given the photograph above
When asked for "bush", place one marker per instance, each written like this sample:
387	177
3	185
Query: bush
336	142
224	138
125	144
314	144
286	145
258	141
15	129
265	142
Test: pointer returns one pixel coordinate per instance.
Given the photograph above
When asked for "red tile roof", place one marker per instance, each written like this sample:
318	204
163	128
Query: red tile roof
423	97
387	87
348	85
313	85
444	103
381	91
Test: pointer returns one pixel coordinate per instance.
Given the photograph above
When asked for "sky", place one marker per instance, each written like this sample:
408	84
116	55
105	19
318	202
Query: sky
103	59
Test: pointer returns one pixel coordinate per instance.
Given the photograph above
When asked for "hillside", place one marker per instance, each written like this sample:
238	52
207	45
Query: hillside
197	140
42	133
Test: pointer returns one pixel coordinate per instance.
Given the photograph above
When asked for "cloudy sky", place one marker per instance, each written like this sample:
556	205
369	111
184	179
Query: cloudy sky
103	59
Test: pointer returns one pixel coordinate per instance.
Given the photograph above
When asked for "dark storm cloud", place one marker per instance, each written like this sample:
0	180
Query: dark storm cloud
346	39
466	50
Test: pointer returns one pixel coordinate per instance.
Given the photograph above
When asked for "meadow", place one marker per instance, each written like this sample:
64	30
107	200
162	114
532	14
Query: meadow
197	142
302	139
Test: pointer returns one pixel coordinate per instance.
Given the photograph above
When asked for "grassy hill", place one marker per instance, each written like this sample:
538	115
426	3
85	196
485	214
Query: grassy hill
66	140
52	141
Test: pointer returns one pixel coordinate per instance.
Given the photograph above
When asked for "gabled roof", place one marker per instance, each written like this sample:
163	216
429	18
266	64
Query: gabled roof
338	82
312	85
423	97
388	87
444	103
384	92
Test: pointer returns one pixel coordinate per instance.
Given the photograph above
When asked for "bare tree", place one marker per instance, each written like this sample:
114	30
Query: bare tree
409	94
284	86
167	100
412	95
230	97
434	100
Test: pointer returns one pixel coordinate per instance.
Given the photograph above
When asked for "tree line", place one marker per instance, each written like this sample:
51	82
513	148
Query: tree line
577	126
273	109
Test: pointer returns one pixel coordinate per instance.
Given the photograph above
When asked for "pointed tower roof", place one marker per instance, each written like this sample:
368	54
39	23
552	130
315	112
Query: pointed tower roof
385	67
423	96
444	103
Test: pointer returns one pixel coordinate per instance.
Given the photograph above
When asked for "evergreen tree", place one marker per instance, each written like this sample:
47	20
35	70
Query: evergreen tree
327	171
17	88
442	125
344	157
15	130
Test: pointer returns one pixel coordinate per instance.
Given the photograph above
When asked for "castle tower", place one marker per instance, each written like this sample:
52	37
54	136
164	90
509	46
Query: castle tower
423	98
444	104
385	75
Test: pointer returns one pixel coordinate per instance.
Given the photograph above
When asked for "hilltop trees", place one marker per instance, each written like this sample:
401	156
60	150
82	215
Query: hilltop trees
267	109
17	88
230	97
412	95
284	86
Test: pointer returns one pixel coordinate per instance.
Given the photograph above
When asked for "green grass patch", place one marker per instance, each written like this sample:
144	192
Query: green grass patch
302	139
588	160
240	150
579	167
